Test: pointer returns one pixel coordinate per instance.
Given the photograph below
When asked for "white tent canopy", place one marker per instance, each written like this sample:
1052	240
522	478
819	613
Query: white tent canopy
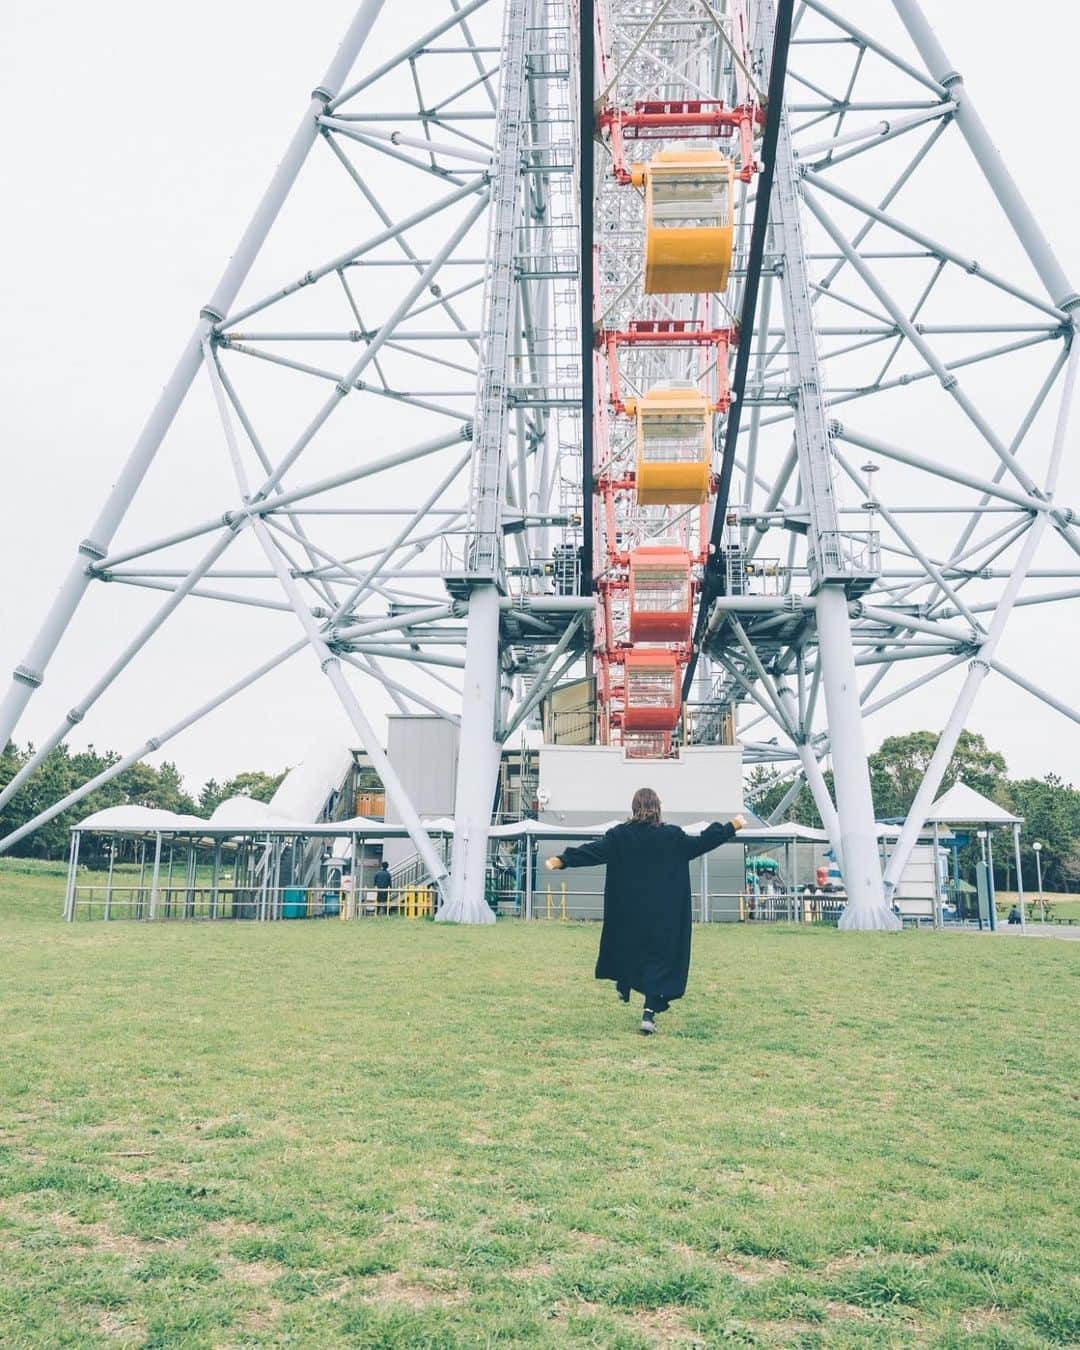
962	805
788	832
139	820
242	815
890	833
236	816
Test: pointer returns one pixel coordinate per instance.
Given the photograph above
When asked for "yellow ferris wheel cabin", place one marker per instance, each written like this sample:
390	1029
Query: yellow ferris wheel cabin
674	445
688	220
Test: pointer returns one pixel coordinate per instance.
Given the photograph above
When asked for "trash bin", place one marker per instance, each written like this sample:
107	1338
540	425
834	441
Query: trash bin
294	903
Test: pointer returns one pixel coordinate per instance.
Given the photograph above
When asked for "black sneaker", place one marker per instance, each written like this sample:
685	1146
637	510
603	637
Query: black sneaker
624	994
648	1024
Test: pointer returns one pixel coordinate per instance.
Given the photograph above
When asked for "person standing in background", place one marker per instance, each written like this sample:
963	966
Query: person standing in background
382	881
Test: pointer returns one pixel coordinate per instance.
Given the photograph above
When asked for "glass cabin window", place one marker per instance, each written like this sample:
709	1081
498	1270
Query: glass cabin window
672	438
649	689
689	201
656	589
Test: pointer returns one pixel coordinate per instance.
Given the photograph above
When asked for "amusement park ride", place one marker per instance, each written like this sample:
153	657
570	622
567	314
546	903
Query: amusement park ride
623	267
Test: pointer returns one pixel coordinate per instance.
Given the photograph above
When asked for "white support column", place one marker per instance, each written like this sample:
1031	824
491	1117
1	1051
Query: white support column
481	700
857	855
866	907
478	763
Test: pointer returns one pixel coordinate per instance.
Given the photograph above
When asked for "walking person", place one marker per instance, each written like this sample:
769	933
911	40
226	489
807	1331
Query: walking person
645	939
383	881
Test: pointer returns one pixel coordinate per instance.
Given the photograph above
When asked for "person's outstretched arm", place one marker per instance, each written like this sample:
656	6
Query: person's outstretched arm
593	854
719	832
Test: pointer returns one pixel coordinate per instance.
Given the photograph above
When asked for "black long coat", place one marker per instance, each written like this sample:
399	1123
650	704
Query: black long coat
645	939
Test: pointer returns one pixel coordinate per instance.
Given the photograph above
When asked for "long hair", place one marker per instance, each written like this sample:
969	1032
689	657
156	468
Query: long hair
645	808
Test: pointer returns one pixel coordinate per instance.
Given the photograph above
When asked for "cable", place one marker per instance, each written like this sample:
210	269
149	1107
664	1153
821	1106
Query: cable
587	52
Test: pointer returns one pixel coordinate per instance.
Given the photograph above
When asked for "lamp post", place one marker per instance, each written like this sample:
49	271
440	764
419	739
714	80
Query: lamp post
987	864
1037	848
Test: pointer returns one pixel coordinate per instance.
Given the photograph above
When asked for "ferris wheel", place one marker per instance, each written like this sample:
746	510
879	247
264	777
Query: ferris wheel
663	341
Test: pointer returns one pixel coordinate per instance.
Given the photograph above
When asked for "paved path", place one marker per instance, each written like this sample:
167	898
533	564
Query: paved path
1039	930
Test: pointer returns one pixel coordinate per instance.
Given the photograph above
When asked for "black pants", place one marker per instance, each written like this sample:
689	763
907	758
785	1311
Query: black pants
656	1003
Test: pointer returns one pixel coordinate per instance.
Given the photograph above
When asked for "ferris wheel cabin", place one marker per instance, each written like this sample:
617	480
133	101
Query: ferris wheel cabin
688	220
674	446
660	595
653	693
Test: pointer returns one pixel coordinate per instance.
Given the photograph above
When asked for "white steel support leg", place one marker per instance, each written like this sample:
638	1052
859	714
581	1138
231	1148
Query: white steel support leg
29	675
815	779
330	665
858	855
73	874
866	907
819	790
478	763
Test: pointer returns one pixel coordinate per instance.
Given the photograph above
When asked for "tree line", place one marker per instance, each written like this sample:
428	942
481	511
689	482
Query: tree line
1049	806
63	770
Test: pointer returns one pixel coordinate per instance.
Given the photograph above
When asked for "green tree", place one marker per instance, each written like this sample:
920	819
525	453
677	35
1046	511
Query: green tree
1049	806
898	765
171	794
139	785
765	788
1051	811
60	773
254	783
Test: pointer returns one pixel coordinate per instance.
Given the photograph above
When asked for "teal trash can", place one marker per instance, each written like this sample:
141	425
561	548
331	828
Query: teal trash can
331	904
294	903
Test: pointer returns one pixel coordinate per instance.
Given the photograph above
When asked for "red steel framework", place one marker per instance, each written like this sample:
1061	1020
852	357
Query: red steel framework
636	655
687	119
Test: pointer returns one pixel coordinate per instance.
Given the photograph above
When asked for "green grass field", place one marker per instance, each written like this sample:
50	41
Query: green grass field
385	1134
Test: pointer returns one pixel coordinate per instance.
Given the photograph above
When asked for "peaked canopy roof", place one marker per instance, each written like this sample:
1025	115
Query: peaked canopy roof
962	805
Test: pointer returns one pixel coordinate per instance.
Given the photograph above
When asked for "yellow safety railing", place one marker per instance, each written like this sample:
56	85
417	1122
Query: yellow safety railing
550	906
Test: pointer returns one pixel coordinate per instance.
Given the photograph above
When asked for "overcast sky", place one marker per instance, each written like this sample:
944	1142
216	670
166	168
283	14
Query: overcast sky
136	140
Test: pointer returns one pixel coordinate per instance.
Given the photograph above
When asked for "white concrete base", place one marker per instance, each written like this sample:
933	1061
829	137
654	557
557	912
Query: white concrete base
869	919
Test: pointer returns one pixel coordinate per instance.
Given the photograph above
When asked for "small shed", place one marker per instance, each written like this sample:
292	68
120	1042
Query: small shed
961	805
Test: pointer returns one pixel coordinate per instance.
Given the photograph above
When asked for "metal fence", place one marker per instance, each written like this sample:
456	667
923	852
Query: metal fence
249	902
550	900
